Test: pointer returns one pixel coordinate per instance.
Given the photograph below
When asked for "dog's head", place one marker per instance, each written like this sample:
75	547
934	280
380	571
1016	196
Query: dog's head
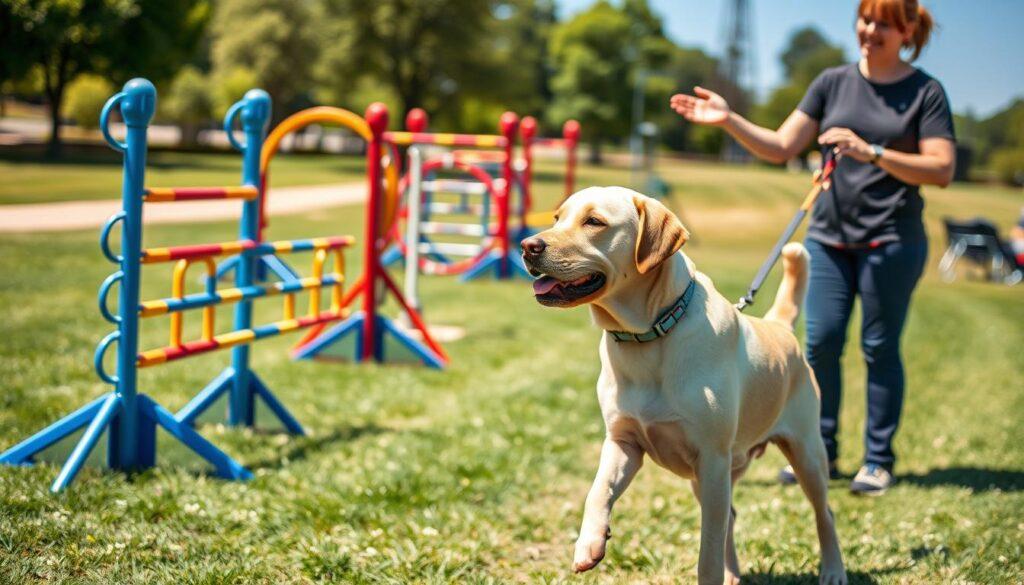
602	238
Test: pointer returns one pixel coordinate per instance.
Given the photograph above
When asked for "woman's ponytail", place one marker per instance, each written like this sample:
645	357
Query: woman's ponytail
925	23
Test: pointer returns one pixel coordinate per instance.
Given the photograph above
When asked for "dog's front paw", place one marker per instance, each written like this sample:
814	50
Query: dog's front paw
589	550
833	576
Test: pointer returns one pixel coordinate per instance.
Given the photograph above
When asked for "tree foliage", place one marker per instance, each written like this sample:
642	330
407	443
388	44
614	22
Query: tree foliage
807	54
85	98
188	102
275	41
427	53
113	38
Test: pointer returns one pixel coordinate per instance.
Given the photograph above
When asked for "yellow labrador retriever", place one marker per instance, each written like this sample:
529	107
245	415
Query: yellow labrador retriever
685	378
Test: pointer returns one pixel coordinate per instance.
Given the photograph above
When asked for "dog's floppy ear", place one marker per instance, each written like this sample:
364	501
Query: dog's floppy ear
660	234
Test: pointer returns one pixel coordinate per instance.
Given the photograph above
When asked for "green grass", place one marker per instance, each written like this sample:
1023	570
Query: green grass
98	175
478	474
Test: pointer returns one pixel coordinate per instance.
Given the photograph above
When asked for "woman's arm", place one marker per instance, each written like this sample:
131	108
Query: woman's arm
933	166
777	146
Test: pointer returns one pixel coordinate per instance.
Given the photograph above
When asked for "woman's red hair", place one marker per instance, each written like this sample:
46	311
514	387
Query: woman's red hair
902	14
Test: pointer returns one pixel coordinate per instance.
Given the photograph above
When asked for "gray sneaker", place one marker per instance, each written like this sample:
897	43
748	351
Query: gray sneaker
787	477
872	480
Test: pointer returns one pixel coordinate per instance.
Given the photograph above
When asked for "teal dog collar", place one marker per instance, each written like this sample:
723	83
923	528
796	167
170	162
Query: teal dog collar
665	322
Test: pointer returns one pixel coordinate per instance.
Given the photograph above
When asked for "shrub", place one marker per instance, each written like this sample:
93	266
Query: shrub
85	98
1008	164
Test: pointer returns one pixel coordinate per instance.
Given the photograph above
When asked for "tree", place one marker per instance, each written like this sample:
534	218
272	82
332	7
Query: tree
85	98
188	103
15	47
520	36
598	57
277	41
807	54
426	53
67	38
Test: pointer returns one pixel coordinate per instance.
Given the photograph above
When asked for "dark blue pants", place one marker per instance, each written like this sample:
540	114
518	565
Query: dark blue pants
883	278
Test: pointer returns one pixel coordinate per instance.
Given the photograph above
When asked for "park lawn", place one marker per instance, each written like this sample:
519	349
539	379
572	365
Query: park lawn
98	176
478	474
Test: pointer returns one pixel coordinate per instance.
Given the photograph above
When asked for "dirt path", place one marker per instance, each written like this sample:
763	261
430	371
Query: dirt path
75	215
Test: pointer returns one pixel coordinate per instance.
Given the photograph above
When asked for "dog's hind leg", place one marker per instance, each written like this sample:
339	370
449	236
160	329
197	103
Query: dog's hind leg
620	460
806	453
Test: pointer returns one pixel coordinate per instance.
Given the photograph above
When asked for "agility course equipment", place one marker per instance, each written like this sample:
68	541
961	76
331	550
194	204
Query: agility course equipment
502	261
131	418
367	329
569	141
468	217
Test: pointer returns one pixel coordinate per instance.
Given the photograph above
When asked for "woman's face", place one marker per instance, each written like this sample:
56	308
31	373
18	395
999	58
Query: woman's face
878	38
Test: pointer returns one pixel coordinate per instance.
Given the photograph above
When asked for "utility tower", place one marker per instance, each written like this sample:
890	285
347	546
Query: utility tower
739	66
740	63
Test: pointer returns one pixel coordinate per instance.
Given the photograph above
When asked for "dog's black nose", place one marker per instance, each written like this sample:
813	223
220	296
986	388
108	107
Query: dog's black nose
533	246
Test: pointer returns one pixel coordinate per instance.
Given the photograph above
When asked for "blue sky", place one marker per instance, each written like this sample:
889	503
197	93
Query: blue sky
977	52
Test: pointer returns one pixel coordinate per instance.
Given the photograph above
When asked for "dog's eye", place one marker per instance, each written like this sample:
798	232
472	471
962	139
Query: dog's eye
594	222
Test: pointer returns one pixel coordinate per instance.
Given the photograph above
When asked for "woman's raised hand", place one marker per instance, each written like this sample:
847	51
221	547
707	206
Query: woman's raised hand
707	107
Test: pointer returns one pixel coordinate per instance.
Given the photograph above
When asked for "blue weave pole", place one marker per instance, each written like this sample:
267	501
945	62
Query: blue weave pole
240	383
129	418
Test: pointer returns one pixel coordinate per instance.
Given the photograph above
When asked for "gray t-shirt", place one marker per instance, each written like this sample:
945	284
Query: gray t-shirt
866	205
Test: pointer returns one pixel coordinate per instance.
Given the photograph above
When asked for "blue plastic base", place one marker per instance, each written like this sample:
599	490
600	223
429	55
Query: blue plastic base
524	232
224	383
331	343
492	265
103	414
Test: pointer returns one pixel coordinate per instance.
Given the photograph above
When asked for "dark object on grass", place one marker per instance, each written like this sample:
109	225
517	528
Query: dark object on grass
977	240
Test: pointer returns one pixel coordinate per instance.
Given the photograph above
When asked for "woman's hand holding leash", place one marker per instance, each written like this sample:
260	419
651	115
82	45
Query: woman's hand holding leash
847	143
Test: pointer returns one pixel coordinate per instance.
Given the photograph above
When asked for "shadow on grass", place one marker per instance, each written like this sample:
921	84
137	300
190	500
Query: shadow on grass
854	577
302	447
978	479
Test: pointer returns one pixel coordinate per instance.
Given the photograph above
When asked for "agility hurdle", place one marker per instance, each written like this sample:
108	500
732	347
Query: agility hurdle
569	142
436	257
129	417
367	329
502	262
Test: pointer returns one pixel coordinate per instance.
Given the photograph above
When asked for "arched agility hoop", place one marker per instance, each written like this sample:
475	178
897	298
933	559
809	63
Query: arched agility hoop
337	117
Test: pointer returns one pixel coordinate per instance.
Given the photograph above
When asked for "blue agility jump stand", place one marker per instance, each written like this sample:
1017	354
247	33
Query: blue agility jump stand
129	418
238	380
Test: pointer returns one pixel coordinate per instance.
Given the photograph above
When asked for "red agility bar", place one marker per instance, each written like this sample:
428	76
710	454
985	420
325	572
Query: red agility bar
153	255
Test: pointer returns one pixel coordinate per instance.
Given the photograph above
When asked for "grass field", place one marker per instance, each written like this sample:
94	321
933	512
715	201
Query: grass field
477	474
97	175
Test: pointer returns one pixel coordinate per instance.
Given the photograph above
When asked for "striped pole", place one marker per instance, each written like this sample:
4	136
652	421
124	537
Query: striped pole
412	237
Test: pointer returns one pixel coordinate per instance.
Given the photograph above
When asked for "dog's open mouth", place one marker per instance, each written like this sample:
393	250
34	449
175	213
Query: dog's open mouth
548	290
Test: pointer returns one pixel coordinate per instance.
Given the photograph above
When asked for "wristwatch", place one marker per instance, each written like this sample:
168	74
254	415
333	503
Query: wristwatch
876	153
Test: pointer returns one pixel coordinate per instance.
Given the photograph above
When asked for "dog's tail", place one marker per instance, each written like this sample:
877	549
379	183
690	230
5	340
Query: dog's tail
786	308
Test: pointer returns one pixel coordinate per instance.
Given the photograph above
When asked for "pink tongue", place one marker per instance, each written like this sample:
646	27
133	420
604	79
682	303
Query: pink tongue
543	285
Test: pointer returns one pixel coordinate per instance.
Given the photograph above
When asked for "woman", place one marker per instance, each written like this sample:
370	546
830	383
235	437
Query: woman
890	127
